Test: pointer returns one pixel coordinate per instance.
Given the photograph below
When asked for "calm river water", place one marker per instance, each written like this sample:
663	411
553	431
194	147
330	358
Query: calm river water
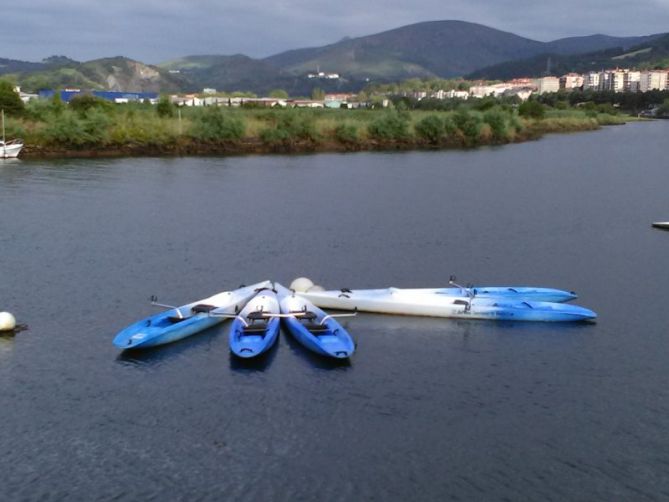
427	409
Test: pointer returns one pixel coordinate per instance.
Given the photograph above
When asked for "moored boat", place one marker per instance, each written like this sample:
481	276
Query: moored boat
9	149
410	302
313	328
186	320
664	225
256	328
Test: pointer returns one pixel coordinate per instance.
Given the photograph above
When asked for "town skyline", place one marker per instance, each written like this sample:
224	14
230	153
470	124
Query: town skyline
154	31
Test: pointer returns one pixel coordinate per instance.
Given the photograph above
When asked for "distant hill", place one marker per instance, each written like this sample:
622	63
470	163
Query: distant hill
442	49
232	73
113	74
437	48
654	52
594	43
8	66
242	73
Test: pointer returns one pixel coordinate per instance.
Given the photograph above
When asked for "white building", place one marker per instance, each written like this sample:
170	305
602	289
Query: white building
632	81
481	91
571	81
591	80
653	80
322	74
617	80
547	84
452	94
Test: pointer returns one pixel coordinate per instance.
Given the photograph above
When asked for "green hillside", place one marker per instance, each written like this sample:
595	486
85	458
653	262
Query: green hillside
437	48
114	74
652	54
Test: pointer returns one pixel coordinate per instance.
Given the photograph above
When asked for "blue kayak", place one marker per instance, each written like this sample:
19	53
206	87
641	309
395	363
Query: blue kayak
518	293
313	328
256	327
180	322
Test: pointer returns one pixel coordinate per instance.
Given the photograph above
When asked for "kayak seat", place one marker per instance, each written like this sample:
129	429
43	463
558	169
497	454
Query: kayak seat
256	315
257	328
316	329
202	308
306	315
174	319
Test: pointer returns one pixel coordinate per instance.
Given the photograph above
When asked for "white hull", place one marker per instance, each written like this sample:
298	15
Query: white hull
10	151
408	302
393	301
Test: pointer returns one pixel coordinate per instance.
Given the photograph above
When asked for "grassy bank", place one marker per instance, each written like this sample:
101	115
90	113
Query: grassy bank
96	128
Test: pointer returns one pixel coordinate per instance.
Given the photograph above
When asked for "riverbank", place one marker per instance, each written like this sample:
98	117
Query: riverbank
138	131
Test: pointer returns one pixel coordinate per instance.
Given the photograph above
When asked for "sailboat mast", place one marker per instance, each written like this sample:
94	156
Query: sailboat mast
2	112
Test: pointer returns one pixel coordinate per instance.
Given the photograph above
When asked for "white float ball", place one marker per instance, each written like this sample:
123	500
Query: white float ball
7	321
301	284
315	288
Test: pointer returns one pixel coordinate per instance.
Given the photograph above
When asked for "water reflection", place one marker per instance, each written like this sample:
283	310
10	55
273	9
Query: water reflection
6	342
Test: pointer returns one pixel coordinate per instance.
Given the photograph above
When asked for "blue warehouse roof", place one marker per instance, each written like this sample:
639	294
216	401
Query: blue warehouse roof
66	96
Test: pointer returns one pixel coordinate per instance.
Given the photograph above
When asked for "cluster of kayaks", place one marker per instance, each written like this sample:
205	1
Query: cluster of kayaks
257	312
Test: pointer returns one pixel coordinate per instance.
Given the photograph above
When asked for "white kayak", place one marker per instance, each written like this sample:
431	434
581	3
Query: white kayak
513	293
411	302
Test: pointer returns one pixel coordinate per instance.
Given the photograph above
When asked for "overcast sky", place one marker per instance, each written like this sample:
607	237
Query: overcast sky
157	30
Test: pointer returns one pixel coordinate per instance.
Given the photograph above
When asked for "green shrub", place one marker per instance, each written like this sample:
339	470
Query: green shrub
65	130
165	108
468	123
391	126
215	125
346	133
96	126
498	124
532	109
432	128
289	125
10	101
84	102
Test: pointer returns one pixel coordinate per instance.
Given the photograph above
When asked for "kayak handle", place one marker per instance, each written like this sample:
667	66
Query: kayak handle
330	316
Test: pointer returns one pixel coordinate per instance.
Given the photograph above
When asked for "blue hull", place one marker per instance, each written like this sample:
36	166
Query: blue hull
160	329
245	345
540	311
334	342
528	294
186	320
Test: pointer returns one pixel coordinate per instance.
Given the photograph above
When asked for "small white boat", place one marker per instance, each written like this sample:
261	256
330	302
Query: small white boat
9	149
664	225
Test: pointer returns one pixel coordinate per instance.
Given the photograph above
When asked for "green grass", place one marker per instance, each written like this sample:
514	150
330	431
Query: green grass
120	126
